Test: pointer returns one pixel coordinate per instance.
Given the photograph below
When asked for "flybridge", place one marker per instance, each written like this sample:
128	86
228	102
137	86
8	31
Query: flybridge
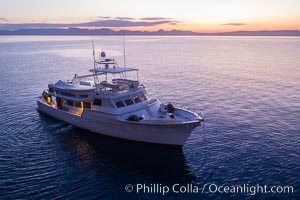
110	66
106	66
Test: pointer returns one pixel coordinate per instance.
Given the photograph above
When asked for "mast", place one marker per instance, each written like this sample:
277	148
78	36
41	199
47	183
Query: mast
93	45
95	76
124	56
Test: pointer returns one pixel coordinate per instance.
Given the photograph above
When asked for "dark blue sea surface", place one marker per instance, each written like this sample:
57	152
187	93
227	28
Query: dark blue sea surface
247	87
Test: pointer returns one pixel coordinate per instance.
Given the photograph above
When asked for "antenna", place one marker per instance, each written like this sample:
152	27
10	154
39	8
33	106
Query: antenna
123	43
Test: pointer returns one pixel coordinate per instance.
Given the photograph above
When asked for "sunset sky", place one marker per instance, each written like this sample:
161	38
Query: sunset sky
195	15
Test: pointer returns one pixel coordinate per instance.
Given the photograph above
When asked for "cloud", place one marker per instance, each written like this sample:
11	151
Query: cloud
31	26
126	23
154	18
97	24
3	19
173	23
234	24
125	18
104	17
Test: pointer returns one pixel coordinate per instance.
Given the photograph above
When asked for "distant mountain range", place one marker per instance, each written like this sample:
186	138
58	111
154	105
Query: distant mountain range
105	31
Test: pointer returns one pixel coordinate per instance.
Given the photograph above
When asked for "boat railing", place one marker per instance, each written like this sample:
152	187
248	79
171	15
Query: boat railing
114	86
151	102
189	108
110	92
128	82
161	121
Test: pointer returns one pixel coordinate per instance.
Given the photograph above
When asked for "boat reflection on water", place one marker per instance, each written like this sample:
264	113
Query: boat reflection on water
129	158
97	162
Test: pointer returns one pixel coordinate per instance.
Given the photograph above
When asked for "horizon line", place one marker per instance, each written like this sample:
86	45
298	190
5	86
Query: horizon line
107	31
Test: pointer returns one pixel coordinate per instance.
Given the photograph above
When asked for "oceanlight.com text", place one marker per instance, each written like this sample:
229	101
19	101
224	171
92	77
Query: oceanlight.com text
208	188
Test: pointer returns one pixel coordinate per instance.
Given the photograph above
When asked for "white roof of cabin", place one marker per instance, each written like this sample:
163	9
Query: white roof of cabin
63	85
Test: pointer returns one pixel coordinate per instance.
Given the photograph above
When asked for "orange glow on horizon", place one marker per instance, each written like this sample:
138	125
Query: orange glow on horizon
189	15
211	28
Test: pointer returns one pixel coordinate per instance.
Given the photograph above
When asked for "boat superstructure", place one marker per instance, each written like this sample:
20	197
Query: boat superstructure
108	102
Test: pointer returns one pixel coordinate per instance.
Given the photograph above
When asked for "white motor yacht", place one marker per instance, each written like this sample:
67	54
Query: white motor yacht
117	106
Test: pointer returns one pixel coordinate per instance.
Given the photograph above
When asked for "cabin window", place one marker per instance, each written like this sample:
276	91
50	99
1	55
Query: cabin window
77	104
128	102
85	83
83	95
58	102
68	94
87	105
143	97
120	104
97	102
137	99
70	103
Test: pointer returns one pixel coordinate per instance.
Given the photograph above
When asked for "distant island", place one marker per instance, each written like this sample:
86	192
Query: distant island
106	31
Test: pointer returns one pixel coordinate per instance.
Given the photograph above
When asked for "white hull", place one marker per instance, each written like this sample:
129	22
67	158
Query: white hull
170	134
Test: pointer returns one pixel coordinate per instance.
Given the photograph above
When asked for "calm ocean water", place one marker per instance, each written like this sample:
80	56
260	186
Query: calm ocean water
247	87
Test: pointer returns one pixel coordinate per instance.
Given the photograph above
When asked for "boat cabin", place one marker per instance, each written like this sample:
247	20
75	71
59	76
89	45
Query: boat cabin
112	95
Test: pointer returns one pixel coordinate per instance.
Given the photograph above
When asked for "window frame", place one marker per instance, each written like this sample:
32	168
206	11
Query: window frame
70	103
98	104
121	105
85	103
129	99
137	97
77	104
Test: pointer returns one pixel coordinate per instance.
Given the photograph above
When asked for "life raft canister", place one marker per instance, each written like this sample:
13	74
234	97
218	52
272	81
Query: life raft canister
170	108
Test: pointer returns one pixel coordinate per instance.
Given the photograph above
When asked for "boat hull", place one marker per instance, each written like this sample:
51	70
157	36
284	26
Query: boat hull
168	134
